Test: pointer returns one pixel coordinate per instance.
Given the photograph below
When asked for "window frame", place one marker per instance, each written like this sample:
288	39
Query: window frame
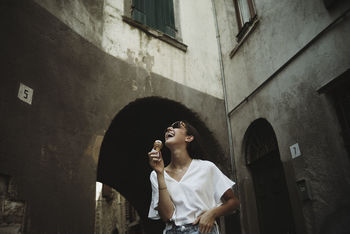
243	27
156	14
175	41
336	90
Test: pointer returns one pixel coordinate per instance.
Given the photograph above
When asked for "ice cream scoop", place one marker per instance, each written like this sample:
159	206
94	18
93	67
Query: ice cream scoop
157	146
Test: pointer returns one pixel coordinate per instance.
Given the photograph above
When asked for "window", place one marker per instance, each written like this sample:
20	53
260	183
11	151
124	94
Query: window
245	14
338	91
329	3
341	100
157	14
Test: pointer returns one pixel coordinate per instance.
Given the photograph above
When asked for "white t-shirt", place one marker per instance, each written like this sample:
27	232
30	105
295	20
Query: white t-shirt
199	190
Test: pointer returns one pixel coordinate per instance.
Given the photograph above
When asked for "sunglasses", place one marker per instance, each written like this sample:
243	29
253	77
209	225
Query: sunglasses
178	124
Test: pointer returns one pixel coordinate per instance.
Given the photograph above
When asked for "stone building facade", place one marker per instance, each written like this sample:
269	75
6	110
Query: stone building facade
115	214
13	210
286	69
87	89
89	85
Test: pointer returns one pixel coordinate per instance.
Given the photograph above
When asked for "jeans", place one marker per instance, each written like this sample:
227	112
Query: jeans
187	229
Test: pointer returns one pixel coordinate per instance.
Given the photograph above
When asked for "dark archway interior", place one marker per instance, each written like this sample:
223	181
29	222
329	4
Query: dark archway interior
260	140
123	162
271	192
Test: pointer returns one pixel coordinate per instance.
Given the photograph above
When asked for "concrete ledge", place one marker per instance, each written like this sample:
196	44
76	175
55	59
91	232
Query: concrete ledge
154	33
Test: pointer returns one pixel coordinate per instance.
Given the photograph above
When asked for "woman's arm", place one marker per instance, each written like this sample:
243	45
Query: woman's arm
231	203
207	219
165	205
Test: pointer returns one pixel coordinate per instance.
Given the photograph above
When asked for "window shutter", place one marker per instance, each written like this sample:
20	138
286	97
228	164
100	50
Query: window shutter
169	18
157	14
160	15
139	11
151	12
165	16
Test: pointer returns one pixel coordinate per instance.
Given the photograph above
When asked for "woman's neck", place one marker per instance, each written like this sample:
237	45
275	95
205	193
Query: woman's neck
180	159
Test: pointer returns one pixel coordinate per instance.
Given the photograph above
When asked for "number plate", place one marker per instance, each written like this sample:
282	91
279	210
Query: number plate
295	150
25	93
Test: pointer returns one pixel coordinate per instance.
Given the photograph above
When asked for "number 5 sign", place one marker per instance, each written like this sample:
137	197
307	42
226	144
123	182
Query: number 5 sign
25	93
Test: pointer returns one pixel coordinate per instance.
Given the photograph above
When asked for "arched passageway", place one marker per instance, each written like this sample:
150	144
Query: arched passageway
271	193
123	161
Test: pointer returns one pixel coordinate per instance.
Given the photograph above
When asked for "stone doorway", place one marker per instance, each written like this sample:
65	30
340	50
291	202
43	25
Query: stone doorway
271	193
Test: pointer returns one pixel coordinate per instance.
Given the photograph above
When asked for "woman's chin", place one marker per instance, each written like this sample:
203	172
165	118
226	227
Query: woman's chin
168	142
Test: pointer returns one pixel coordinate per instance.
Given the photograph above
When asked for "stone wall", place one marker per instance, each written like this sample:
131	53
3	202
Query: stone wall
114	212
276	74
12	215
51	146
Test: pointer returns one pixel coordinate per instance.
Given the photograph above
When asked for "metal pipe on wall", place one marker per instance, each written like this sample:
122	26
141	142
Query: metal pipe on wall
233	165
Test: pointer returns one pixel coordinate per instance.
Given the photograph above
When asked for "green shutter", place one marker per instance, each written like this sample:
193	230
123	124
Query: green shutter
169	18
151	10
160	15
157	14
139	11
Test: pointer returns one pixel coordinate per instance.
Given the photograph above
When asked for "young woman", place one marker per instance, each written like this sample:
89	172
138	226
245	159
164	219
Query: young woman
188	194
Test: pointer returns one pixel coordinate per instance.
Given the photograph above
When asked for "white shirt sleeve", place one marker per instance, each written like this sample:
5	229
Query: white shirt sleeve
153	213
221	184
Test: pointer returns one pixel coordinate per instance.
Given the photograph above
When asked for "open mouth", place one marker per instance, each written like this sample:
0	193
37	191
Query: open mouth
169	134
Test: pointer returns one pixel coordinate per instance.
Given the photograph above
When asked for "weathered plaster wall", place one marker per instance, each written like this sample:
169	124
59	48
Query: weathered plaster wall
298	113
290	101
284	28
50	147
84	16
101	23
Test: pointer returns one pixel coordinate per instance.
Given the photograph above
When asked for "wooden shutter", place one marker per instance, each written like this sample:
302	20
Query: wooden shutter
169	18
151	10
160	15
157	14
165	16
139	11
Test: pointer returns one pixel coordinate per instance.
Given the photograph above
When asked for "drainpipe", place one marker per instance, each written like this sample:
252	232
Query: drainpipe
225	94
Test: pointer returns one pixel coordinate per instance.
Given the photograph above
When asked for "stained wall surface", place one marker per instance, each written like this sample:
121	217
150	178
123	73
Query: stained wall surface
51	146
276	74
101	22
